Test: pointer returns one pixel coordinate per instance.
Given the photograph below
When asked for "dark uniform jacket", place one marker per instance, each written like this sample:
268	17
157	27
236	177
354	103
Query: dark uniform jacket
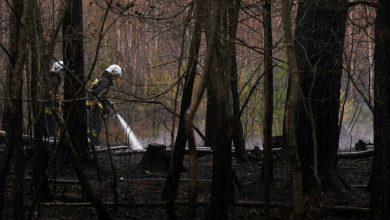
98	91
98	107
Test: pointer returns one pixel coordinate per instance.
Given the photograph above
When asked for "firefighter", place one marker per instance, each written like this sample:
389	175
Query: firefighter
99	105
54	80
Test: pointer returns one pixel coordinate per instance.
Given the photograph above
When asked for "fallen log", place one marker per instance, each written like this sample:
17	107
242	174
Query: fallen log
356	154
58	181
27	139
359	186
199	150
349	209
126	152
68	198
97	149
164	179
157	179
249	204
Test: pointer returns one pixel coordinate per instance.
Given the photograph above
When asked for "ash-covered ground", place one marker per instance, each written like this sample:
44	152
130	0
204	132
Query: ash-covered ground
137	185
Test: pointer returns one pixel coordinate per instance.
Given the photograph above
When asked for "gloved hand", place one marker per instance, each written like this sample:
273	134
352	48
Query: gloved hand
112	104
109	106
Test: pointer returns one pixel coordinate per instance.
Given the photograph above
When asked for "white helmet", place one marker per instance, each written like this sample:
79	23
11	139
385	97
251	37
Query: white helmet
57	66
114	70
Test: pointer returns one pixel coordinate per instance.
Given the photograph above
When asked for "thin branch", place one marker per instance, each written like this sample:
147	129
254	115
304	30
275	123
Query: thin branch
8	54
365	99
251	91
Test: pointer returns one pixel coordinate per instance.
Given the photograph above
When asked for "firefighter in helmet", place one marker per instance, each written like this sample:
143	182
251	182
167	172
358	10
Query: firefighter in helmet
54	82
99	105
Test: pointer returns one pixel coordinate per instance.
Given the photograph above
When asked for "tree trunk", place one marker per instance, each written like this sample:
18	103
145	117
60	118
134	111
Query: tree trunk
14	27
238	132
74	127
211	118
83	179
211	108
172	182
380	178
84	182
319	42
75	112
222	192
189	117
268	102
292	100
41	154
14	115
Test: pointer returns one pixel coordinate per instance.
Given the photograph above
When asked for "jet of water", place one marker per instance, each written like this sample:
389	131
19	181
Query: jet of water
133	141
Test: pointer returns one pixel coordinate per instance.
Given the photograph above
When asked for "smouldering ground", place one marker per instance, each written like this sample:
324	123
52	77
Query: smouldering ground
144	186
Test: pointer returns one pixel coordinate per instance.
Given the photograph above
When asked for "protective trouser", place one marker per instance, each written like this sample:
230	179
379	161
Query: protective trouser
95	112
50	122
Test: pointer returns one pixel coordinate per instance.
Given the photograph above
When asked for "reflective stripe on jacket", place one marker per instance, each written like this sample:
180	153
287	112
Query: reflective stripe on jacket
89	103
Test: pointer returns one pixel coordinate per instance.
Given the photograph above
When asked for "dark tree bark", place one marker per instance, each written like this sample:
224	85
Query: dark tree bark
42	50
189	116
14	27
82	177
289	121
238	133
75	112
41	154
268	102
84	182
211	118
319	47
222	192
380	177
14	114
172	183
74	125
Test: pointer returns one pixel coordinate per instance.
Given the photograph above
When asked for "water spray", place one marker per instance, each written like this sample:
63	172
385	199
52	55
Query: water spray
132	139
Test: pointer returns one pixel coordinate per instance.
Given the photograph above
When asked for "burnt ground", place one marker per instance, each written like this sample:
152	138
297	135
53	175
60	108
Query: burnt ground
143	187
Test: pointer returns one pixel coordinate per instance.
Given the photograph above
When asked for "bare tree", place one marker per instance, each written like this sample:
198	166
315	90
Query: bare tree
222	195
319	39
14	26
41	154
14	114
292	100
379	183
74	86
238	131
176	165
211	120
268	101
74	126
189	117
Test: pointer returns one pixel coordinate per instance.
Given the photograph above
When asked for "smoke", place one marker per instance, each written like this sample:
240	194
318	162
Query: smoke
348	137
